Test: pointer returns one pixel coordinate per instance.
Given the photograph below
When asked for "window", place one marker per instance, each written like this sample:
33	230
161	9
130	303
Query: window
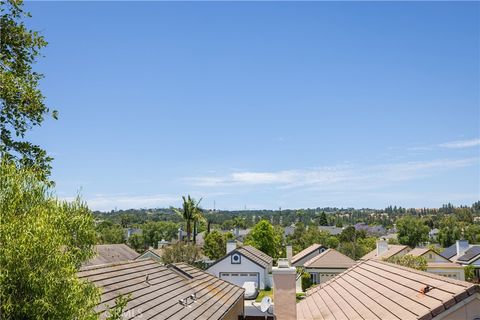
236	258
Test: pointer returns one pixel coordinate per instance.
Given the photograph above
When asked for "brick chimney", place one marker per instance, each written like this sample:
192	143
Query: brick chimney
284	294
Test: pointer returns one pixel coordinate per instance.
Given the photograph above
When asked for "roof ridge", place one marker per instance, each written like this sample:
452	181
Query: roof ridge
321	255
112	264
306	251
427	274
255	253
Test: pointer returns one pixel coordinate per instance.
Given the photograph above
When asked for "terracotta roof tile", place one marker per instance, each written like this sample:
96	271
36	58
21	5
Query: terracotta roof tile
110	253
374	289
159	296
330	258
306	252
393	249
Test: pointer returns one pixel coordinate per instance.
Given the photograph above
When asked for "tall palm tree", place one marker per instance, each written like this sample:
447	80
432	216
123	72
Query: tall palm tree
190	212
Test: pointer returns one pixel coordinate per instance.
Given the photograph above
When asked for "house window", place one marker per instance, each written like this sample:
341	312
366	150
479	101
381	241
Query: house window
236	258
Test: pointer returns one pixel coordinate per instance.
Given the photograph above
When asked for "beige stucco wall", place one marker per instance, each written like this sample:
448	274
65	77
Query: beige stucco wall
469	311
236	311
454	273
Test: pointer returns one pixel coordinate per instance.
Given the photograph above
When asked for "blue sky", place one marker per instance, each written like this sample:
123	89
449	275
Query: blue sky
262	104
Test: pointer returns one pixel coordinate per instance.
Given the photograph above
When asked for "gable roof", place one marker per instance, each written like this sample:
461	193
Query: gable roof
449	252
109	253
255	255
251	253
330	258
375	289
158	295
418	252
393	249
305	252
156	252
470	254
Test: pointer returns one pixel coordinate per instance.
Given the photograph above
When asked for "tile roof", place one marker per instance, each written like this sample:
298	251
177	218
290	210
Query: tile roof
330	258
471	253
255	255
393	249
375	289
156	290
449	252
109	253
418	252
305	252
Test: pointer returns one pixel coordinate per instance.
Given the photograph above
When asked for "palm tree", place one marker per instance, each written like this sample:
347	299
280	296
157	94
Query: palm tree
190	212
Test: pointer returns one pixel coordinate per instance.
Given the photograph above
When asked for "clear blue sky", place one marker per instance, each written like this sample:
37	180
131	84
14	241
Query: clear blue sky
262	105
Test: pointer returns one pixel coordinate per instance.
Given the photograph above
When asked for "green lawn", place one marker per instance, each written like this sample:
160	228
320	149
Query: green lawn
264	293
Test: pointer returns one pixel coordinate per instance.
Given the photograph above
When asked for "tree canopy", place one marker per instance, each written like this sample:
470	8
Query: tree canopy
43	242
264	238
412	231
22	104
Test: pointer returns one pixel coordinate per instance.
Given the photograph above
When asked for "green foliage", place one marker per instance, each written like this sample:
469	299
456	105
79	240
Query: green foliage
472	233
322	220
153	232
306	280
264	238
181	252
116	312
21	101
136	242
450	231
412	231
43	243
419	263
215	245
108	233
190	212
470	273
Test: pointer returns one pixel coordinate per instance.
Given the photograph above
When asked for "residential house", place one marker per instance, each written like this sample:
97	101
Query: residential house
465	254
333	230
327	265
438	264
155	254
303	256
386	251
111	253
376	230
374	289
177	291
243	264
131	231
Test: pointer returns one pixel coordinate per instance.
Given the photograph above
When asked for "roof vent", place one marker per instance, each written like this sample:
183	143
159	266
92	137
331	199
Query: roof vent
425	289
147	280
186	302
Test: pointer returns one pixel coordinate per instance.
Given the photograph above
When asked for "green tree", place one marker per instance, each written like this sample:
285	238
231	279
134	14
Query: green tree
190	212
156	231
43	242
215	245
137	242
470	273
450	231
264	238
322	220
110	234
472	233
181	252
412	231
22	103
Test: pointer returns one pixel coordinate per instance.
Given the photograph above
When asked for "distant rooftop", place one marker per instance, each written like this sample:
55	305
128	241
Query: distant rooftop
110	253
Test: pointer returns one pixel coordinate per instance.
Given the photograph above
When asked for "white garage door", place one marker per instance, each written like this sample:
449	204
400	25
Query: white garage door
239	278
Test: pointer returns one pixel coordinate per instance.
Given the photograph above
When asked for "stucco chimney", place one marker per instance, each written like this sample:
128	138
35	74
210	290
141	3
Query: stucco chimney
462	246
231	245
382	246
289	253
284	293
